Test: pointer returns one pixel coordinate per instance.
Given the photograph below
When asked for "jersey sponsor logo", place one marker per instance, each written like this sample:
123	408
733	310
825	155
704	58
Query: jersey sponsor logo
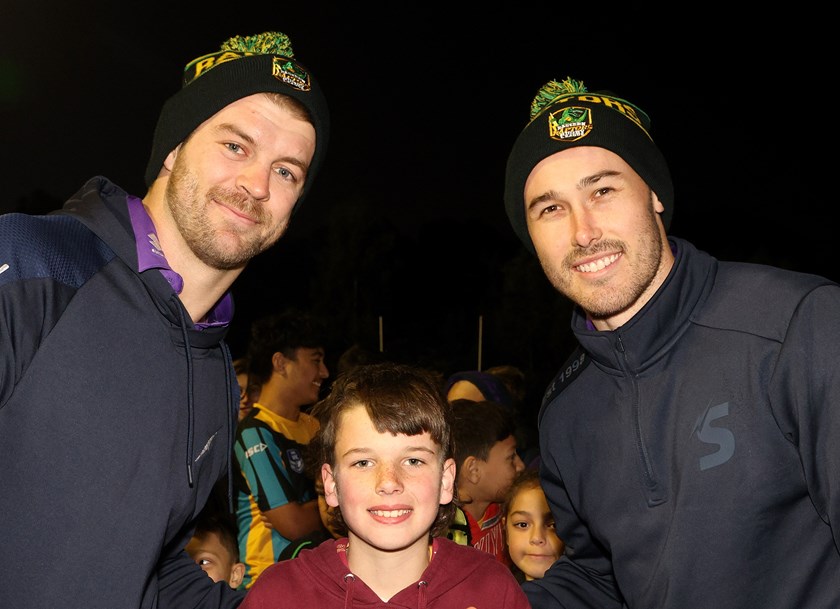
257	448
716	435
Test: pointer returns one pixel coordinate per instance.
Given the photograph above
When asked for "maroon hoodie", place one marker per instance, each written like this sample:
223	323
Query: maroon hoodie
458	577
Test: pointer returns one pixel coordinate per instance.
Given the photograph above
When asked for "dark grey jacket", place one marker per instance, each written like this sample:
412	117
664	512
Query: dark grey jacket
692	457
116	417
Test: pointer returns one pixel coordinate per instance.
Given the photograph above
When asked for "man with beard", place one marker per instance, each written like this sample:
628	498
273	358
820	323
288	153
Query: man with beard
688	446
118	398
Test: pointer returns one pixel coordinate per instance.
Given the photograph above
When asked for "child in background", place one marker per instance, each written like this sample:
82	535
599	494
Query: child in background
533	544
249	391
389	475
214	548
487	463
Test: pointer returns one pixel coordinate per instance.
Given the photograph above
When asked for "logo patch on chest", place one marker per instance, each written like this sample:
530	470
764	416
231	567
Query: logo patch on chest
295	460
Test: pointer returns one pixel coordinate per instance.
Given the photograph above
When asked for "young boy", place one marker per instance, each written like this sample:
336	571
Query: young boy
286	358
213	547
487	463
387	464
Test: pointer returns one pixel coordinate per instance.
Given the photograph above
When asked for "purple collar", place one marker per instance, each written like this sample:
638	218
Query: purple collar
150	256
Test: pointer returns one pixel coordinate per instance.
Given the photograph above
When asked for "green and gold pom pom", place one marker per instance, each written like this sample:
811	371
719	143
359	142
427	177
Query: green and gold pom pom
554	89
267	43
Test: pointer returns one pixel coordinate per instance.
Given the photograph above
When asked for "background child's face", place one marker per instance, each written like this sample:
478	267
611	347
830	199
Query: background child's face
210	554
498	471
533	544
389	487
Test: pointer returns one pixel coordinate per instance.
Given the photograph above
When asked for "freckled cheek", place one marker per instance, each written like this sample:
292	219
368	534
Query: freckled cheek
347	494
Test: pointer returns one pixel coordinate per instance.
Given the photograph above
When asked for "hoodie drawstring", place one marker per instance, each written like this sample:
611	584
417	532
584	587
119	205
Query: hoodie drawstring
349	579
233	410
232	407
190	397
421	594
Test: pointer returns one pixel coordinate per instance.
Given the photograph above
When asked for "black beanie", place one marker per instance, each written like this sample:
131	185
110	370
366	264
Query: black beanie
245	65
564	115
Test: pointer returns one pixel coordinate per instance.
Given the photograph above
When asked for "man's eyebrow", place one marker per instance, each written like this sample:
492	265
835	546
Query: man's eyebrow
291	160
231	128
551	195
595	178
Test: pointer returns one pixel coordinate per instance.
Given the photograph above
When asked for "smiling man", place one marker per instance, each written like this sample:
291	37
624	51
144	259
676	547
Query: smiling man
689	445
286	352
117	391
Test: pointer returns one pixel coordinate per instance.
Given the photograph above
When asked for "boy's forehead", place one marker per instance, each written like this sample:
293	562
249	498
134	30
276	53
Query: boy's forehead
357	430
209	543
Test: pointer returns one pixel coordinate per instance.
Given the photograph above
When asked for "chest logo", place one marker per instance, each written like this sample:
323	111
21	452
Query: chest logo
715	435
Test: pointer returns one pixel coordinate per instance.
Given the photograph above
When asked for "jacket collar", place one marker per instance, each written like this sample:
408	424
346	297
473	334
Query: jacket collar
649	334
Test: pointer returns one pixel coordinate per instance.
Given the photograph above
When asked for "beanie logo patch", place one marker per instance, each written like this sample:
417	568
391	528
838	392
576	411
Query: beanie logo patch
570	124
283	69
288	72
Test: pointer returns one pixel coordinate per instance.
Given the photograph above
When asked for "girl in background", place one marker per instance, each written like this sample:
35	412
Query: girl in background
532	543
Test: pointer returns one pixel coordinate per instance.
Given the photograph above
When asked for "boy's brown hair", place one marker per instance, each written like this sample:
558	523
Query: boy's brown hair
478	426
399	399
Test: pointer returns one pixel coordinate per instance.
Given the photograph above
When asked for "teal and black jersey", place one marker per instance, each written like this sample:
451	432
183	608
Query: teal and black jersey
270	452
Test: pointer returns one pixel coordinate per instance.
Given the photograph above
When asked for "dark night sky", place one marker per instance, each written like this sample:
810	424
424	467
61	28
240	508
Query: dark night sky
425	106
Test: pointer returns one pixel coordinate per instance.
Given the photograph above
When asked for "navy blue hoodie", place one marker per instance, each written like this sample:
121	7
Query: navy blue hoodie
116	417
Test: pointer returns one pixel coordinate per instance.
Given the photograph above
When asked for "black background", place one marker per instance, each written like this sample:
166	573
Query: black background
406	222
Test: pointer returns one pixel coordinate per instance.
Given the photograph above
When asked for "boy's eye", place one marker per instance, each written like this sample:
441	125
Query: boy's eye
203	562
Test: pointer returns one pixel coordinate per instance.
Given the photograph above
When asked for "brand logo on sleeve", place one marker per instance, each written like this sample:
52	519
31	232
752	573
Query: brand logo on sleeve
257	448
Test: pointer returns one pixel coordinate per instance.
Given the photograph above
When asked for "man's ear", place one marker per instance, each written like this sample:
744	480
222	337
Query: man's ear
657	204
330	491
447	486
169	161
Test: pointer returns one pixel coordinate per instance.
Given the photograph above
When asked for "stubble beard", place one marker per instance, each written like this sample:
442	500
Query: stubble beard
605	298
223	248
